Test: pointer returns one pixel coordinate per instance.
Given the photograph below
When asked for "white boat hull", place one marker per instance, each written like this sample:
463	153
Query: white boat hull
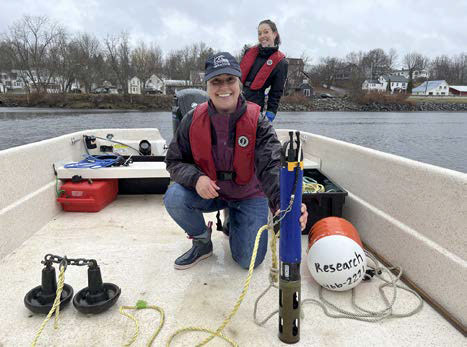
412	214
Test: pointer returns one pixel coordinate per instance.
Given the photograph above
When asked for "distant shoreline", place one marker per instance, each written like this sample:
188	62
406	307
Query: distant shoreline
165	103
89	101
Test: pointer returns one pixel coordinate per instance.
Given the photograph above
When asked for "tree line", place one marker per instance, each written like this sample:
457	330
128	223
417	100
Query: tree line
45	51
359	66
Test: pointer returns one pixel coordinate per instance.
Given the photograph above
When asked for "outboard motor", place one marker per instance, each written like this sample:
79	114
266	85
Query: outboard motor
185	101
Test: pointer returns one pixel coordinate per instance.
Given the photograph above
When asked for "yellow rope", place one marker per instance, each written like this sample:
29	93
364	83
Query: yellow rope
141	305
274	273
236	306
313	188
55	307
204	330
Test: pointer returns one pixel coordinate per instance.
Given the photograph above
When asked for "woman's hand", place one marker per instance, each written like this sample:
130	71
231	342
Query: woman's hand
304	216
207	188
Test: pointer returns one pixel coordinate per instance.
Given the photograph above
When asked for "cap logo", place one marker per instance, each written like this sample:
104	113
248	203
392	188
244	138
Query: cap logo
269	62
220	60
243	141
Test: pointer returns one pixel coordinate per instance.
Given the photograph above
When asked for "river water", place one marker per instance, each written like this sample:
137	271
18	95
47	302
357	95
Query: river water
433	137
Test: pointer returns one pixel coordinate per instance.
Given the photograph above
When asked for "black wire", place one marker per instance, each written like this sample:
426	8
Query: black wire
121	143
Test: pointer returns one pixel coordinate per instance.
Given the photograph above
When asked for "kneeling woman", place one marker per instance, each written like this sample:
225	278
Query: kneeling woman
224	155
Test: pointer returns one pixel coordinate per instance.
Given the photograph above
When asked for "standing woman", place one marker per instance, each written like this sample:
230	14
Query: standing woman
265	66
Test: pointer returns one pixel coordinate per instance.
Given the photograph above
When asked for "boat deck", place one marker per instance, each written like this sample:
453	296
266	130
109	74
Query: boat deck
135	242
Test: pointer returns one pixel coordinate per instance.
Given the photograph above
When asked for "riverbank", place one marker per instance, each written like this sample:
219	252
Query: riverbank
89	101
288	104
366	104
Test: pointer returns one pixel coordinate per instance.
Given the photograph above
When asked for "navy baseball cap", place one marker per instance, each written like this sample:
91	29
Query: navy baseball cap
221	63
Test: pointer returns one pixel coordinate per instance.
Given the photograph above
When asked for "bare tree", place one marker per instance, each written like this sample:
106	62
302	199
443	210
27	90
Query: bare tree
392	58
118	56
356	67
376	62
6	63
146	61
459	69
414	61
91	67
440	68
180	63
204	52
32	45
63	62
328	70
173	65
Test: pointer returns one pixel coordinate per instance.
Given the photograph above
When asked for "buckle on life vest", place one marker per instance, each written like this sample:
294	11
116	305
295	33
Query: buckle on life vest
225	175
247	84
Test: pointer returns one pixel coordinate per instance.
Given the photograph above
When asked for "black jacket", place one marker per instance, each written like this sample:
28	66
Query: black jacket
183	170
276	80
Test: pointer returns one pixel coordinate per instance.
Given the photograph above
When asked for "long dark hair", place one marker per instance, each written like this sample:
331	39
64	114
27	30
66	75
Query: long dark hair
273	26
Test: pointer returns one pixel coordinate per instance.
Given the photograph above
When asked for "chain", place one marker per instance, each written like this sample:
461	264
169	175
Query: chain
276	220
50	258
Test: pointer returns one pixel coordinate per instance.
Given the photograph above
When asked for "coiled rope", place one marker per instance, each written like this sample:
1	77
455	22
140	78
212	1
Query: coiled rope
273	278
139	306
218	331
312	186
360	313
94	162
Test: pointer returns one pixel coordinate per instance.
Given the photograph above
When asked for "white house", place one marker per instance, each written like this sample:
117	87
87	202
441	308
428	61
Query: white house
416	73
439	87
19	81
420	74
373	86
306	88
75	86
154	85
134	85
12	81
398	83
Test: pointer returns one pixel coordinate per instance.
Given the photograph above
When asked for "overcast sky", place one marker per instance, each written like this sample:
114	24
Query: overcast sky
313	28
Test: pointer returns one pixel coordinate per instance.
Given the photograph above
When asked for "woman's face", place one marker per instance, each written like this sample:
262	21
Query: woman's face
266	36
224	90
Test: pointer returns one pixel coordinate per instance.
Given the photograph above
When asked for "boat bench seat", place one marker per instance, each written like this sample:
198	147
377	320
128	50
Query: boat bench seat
134	170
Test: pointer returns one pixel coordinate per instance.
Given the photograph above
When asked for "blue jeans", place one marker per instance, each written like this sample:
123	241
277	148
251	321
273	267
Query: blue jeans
186	207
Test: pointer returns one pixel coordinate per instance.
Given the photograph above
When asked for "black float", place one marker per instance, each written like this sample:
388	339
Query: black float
98	296
41	298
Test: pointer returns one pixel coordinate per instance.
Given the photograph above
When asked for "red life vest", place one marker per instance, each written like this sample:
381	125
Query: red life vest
263	73
245	141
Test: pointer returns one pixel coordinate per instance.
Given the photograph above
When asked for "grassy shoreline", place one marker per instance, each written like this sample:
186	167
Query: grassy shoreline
89	101
440	99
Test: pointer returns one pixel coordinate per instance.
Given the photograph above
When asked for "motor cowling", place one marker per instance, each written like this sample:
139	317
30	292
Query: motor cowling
185	100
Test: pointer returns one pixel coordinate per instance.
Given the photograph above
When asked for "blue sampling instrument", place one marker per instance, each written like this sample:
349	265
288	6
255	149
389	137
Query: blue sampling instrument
290	245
